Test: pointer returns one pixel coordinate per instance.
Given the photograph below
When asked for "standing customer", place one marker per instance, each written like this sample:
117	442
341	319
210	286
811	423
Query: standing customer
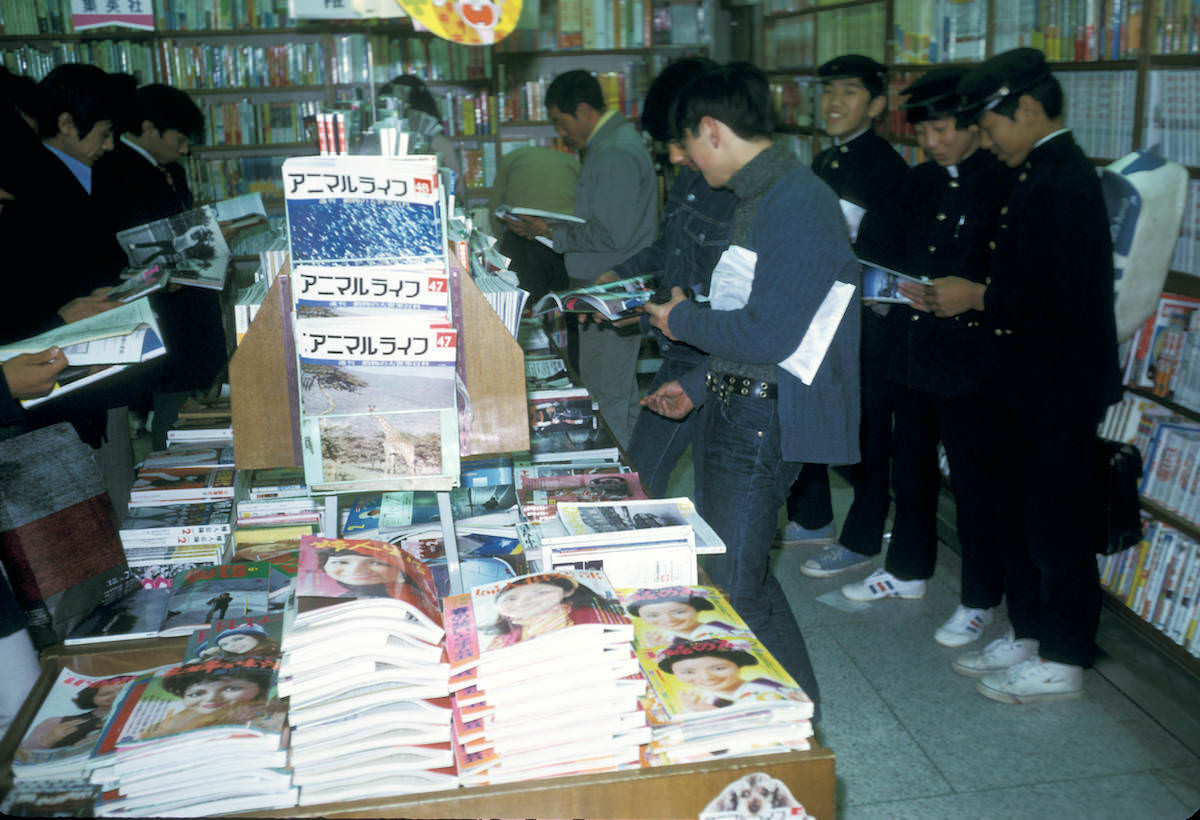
1051	369
616	195
788	262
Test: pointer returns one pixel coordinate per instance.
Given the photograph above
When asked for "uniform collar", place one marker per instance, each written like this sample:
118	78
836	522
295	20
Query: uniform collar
139	149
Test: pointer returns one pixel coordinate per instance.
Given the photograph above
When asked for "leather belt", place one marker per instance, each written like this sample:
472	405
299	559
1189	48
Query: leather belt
729	384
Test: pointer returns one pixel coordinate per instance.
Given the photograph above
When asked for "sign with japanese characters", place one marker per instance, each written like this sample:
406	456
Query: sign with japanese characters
135	14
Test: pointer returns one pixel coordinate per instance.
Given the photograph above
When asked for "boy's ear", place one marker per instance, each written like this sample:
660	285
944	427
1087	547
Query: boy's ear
1029	109
66	125
710	125
877	106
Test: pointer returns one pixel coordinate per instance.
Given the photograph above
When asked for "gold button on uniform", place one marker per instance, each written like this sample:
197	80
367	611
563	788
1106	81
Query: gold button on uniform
844	149
954	183
1004	210
1022	177
834	165
932	248
941	217
992	245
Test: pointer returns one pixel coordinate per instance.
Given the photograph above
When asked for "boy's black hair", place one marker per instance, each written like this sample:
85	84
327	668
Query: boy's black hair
656	110
167	107
571	88
417	95
86	92
736	94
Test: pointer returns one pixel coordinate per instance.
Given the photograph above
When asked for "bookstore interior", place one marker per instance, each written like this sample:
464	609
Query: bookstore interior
248	594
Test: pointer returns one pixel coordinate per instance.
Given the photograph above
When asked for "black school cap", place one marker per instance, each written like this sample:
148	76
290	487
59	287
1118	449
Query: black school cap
859	66
1006	75
934	95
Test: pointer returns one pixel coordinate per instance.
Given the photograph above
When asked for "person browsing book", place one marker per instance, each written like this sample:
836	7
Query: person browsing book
616	196
693	234
1050	370
139	181
951	206
789	263
866	173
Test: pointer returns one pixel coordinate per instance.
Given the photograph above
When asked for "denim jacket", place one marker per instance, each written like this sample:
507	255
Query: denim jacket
695	232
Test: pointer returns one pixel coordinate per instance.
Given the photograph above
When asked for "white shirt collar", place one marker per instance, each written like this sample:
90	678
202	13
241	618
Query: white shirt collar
150	159
1051	136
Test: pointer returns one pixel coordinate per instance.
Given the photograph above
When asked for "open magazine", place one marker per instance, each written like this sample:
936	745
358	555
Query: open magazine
614	300
880	284
513	212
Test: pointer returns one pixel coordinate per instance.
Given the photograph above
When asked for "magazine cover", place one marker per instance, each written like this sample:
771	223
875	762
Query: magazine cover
235	695
565	421
363	210
386	287
67	725
481	558
613	299
189	246
880	284
138	615
666	615
232	639
201	596
174	485
362	568
545	373
378	402
502	614
539	497
622	520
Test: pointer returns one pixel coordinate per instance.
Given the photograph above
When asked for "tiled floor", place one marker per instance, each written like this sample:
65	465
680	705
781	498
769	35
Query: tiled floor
915	740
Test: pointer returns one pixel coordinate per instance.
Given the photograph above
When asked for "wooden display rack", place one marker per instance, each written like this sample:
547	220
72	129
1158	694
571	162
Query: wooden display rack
264	390
663	792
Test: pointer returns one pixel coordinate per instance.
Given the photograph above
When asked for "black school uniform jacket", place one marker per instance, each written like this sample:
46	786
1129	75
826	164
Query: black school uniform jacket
133	191
1049	301
947	222
868	172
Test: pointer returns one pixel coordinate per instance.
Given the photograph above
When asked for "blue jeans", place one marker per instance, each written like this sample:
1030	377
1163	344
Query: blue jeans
745	482
657	442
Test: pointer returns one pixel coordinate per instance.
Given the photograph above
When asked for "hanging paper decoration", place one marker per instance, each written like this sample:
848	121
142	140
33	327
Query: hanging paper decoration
470	22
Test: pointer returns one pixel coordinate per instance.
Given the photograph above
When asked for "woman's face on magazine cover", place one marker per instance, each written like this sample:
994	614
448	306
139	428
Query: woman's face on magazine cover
716	674
238	644
360	570
526	601
211	695
105	695
673	615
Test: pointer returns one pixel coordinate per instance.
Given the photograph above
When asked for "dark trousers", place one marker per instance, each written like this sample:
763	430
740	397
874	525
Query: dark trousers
657	442
809	502
745	480
539	269
1043	468
961	423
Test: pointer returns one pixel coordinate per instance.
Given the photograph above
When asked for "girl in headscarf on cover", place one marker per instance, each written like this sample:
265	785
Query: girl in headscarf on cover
673	614
364	569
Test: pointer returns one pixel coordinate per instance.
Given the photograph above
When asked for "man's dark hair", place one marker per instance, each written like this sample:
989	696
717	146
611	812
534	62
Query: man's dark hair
416	95
167	107
571	88
1047	91
85	92
656	110
736	94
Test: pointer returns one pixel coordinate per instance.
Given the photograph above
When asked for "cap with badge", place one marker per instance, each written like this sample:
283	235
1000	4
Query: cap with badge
933	96
1006	75
857	66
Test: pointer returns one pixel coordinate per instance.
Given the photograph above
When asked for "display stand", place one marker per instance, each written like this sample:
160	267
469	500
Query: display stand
263	385
662	792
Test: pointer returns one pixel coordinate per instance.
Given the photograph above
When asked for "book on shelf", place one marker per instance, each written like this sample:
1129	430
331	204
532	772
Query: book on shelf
276	482
546	373
182	485
613	300
189	456
97	347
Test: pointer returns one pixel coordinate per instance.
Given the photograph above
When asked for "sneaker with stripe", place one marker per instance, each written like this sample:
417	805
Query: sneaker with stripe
882	584
963	627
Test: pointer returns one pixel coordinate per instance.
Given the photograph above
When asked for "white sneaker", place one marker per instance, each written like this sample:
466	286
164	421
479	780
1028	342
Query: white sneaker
963	627
998	655
1032	681
882	584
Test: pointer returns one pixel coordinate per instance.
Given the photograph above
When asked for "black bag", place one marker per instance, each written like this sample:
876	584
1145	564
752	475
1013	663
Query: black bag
1116	474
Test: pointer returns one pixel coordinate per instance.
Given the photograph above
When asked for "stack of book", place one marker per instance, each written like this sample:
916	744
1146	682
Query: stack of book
365	675
268	527
545	682
715	691
194	739
565	424
206	423
161	540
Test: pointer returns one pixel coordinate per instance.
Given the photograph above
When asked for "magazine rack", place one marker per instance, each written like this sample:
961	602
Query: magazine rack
663	792
263	386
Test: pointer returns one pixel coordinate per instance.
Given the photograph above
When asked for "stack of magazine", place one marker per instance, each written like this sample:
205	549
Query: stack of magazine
544	679
715	691
363	668
374	337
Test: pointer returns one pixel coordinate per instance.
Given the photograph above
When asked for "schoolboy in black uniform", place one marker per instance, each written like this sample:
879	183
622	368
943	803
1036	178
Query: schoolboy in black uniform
867	174
1051	370
950	209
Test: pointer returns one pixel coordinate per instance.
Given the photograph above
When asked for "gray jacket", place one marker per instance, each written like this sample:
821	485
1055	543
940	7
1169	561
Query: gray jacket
615	193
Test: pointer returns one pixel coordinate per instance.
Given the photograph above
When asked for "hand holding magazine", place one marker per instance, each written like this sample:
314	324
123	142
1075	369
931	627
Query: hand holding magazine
614	300
880	284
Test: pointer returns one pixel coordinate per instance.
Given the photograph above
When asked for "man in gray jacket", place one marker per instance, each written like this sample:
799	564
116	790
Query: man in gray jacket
615	193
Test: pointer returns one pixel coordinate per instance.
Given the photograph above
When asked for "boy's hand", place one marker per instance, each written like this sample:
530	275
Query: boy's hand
669	400
32	375
659	313
85	306
952	295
